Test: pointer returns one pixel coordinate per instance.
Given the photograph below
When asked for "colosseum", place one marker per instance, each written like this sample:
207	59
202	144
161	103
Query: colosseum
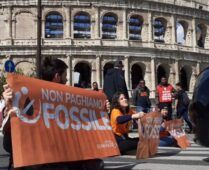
153	38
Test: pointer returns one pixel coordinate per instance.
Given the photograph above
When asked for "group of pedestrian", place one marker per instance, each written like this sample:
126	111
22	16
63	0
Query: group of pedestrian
166	95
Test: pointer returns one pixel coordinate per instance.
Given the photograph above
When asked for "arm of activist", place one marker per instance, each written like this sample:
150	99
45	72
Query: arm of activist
125	118
7	110
7	96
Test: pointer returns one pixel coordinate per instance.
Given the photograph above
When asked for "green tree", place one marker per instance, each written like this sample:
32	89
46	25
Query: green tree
2	82
3	78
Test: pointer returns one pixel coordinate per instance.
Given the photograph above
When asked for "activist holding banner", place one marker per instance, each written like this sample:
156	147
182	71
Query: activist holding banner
72	131
174	127
171	132
120	118
165	138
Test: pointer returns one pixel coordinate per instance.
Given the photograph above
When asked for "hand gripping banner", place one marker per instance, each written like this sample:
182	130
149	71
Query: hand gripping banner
175	129
55	123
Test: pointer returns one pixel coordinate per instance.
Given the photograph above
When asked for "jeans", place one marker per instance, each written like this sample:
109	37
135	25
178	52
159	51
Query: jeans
166	141
184	113
142	109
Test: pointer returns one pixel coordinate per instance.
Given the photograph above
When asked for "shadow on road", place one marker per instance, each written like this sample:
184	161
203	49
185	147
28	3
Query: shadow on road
206	160
167	153
4	155
123	166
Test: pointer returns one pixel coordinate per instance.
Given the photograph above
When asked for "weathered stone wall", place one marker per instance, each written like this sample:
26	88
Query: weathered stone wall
18	28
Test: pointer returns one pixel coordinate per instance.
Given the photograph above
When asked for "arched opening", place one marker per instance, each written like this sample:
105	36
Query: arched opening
185	76
85	75
201	30
137	74
159	25
107	66
135	27
162	71
26	68
181	30
24	21
82	25
54	25
109	26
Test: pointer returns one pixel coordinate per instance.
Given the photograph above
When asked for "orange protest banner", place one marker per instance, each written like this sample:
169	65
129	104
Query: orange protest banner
55	123
148	128
175	129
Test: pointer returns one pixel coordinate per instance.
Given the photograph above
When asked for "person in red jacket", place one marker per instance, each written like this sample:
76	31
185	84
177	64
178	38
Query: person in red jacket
165	95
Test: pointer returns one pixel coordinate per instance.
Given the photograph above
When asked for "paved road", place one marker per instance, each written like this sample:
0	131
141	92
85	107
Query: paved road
195	157
168	158
3	156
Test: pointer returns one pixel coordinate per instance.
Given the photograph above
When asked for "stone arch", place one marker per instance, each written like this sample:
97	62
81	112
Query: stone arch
84	69
201	31
109	24
25	67
185	77
107	66
163	70
24	25
137	73
22	11
135	26
47	12
159	28
181	31
82	25
54	26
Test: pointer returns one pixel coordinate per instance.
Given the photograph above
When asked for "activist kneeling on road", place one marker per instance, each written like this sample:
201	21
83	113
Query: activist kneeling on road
120	118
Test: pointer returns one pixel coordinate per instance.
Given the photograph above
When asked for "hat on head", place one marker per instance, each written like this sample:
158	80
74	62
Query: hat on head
118	63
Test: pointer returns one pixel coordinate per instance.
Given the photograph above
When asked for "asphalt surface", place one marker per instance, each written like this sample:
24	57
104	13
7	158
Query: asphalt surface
195	157
4	157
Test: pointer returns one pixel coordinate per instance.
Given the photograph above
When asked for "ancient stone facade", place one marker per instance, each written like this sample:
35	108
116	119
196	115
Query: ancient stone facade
90	35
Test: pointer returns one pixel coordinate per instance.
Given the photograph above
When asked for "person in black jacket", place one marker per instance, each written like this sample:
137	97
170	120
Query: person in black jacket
141	97
182	105
114	81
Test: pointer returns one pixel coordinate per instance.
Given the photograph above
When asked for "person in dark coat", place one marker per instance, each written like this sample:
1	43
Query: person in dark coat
114	81
183	105
141	97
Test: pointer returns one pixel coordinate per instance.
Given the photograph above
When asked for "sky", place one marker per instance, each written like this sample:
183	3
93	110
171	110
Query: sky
180	34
